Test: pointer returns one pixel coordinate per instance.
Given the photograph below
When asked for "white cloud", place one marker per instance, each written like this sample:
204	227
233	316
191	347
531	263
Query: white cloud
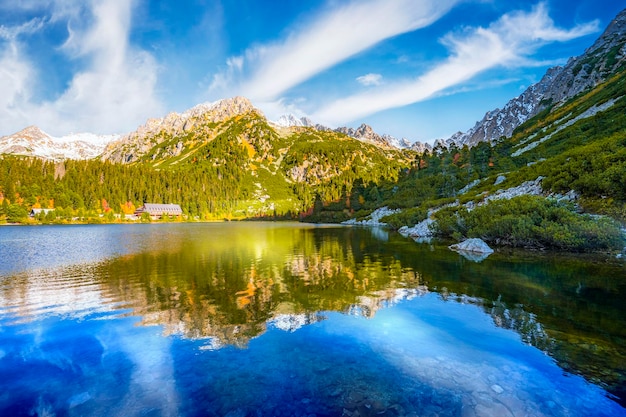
12	33
115	92
274	109
370	79
331	38
15	76
507	42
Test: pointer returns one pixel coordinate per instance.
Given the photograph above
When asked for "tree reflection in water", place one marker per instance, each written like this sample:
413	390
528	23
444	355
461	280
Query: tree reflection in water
227	284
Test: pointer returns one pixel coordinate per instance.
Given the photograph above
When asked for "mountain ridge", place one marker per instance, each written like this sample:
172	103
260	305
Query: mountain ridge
32	141
559	84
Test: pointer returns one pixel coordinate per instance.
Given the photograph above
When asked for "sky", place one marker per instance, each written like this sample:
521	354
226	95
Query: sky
414	69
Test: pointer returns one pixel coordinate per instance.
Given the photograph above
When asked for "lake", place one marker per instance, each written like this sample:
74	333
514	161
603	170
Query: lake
285	319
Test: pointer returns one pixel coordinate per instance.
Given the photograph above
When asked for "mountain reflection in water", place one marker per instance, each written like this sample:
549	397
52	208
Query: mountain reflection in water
227	284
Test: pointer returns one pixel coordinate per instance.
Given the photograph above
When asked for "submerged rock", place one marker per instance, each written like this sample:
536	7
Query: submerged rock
473	245
474	256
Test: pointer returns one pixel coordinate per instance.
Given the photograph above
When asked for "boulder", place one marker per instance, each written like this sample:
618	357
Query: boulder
420	230
373	219
474	245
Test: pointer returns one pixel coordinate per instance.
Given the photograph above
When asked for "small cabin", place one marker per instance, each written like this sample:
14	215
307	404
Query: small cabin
36	211
156	211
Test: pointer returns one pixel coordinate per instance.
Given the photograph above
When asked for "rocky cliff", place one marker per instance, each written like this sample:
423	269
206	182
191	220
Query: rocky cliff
558	85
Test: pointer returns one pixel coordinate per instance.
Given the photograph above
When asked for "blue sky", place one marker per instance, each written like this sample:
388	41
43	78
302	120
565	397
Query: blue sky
419	69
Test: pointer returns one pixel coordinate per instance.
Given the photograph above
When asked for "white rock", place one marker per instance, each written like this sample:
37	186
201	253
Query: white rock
468	187
420	230
526	188
474	245
374	218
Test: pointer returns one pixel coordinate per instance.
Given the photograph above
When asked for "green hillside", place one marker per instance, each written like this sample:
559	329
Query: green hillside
242	168
579	146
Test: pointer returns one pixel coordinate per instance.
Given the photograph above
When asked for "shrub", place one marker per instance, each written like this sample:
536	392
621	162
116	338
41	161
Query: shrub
530	221
409	217
16	213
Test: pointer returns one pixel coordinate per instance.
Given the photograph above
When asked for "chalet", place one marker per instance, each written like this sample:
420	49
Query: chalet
156	211
36	211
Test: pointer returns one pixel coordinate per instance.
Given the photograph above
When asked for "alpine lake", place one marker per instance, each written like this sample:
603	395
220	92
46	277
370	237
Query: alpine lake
285	319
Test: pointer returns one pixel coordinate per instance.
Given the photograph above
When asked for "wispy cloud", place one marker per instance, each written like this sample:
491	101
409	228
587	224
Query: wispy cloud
508	42
269	70
370	79
114	92
28	28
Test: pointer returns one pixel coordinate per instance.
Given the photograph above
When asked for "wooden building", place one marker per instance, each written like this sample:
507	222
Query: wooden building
156	211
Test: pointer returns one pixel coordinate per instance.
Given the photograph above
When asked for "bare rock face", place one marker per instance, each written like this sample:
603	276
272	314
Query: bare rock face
289	120
365	133
501	122
558	85
420	147
133	145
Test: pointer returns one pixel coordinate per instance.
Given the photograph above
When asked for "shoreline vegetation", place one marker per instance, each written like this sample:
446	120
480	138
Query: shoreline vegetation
559	182
526	222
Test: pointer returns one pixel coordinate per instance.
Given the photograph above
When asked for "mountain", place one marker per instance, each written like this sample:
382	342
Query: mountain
32	141
366	134
289	120
198	120
558	85
229	154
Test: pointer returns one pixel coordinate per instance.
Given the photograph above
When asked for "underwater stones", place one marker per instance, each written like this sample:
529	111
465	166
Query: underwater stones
79	399
497	389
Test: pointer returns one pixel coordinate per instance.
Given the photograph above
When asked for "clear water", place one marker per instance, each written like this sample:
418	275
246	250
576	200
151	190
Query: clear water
279	319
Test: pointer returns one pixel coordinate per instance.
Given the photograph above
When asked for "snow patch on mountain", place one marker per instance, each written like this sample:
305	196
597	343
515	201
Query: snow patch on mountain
290	120
34	142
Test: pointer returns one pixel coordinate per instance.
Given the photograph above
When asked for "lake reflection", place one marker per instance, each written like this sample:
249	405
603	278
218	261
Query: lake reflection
287	319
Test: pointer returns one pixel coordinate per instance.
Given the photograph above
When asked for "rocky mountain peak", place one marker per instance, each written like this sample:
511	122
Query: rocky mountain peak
612	35
134	144
558	85
221	110
289	120
32	141
31	133
365	133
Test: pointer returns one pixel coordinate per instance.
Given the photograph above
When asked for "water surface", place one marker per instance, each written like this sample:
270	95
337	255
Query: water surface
287	319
